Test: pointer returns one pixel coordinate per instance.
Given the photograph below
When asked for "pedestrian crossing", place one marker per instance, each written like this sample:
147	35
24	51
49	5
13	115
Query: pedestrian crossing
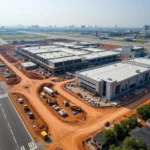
3	95
31	145
22	148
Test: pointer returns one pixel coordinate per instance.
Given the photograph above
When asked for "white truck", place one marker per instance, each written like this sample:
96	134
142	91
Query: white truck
49	91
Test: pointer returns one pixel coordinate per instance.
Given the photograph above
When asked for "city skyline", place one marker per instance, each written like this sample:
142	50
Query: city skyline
129	13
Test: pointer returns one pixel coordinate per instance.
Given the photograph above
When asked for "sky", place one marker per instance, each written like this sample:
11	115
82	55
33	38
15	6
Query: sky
106	13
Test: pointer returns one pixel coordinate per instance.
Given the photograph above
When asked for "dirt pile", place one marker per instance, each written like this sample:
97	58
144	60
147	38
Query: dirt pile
13	80
31	75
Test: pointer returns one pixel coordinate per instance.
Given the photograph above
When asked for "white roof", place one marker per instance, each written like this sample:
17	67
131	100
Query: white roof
65	59
100	54
54	55
93	49
41	49
141	60
28	64
115	72
73	52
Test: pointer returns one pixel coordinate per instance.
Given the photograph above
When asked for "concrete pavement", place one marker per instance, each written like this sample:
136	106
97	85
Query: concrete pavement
13	133
2	41
90	39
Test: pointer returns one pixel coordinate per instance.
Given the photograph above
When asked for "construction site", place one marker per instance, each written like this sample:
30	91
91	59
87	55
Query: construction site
43	88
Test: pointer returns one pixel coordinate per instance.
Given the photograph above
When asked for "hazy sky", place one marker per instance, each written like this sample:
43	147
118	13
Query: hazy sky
124	13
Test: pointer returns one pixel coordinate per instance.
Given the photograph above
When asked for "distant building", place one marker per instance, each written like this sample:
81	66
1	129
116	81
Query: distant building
83	26
146	31
132	51
146	27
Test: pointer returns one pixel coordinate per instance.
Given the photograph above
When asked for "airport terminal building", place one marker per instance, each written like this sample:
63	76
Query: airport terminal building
58	60
116	79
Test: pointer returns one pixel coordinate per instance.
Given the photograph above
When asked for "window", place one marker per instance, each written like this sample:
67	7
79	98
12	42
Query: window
86	81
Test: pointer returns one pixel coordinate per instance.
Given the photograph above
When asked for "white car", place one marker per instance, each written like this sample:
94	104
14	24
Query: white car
55	107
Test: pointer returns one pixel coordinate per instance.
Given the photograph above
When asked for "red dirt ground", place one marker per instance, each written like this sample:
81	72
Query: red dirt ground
38	122
108	46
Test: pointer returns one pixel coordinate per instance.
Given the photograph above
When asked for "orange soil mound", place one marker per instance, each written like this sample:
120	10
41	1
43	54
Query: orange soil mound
12	81
32	75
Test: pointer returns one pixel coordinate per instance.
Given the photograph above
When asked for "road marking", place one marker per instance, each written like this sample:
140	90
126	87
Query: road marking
3	96
22	148
15	139
9	126
3	112
21	121
31	145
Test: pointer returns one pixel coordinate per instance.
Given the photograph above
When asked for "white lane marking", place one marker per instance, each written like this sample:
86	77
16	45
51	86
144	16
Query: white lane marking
15	139
9	126
11	131
22	148
3	95
21	121
3	111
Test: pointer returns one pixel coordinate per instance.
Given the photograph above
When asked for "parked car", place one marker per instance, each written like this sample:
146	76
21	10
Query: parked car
107	124
31	116
75	112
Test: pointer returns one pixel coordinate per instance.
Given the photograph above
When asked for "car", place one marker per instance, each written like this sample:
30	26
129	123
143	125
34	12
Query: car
89	101
31	116
107	124
20	100
55	107
75	112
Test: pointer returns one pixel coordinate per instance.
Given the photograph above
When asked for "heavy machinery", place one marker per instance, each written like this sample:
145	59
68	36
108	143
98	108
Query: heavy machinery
26	108
51	102
44	135
75	107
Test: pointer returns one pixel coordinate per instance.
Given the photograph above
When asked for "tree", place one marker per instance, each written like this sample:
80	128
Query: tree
142	145
109	136
120	132
130	143
113	147
144	111
125	125
133	122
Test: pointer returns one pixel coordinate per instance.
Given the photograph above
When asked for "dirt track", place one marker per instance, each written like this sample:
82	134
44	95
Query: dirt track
67	136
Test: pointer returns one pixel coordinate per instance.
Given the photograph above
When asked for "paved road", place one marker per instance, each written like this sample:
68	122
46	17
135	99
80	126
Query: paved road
2	41
13	133
90	39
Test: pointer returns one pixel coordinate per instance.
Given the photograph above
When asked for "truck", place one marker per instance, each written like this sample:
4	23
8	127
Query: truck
75	107
44	135
49	91
51	102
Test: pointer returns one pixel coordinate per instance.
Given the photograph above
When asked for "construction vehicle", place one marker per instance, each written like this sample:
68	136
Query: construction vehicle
44	135
51	102
75	107
26	108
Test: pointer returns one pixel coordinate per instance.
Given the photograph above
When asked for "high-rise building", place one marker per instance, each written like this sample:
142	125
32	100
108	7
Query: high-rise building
146	27
83	26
